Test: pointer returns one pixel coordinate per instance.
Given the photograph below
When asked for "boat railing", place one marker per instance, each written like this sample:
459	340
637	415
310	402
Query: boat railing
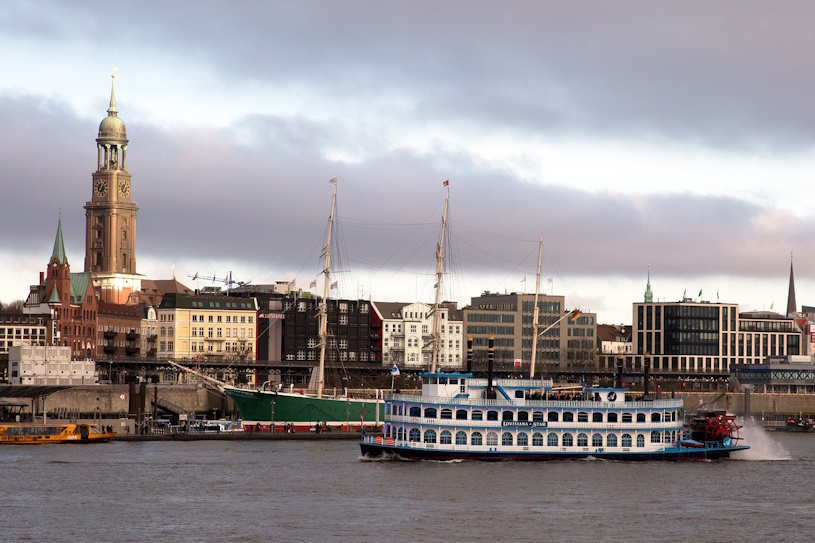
520	425
521	402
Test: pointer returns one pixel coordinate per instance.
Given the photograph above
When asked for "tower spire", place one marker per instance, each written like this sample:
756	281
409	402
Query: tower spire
59	246
792	307
649	296
112	109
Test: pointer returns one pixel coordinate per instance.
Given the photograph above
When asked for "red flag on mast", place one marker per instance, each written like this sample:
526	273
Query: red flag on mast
447	183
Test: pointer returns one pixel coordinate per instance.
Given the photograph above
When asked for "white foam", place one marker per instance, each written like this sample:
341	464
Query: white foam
762	445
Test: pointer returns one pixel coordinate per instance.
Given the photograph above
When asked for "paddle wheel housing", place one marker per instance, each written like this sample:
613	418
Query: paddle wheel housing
714	426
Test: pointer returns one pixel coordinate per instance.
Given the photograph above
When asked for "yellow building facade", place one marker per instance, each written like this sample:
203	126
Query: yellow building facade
207	327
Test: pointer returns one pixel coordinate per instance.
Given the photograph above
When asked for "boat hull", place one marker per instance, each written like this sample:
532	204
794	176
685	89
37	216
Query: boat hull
371	449
300	410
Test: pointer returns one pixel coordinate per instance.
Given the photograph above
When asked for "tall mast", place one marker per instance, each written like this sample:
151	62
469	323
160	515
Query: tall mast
439	271
535	312
324	305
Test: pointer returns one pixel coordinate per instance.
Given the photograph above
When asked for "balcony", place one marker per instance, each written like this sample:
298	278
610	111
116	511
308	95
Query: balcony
132	336
109	334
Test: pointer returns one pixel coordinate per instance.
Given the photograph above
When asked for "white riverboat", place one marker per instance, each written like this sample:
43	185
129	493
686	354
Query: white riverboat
458	417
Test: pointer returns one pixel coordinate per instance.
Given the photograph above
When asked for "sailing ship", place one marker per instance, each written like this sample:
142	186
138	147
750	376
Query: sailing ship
459	417
277	410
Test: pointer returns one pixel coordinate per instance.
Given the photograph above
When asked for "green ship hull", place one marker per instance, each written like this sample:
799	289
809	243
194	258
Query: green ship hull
300	410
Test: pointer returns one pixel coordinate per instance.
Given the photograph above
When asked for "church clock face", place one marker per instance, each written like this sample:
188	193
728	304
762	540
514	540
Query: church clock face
124	189
100	187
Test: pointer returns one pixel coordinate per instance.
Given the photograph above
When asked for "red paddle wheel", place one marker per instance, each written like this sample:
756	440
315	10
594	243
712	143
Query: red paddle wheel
714	426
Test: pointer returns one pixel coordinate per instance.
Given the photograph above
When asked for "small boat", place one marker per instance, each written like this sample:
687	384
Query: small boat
800	425
30	434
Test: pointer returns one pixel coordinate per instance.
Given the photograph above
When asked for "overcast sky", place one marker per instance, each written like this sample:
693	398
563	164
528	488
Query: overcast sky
626	133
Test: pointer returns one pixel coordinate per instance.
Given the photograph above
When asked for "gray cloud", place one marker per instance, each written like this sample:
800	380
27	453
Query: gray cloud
721	75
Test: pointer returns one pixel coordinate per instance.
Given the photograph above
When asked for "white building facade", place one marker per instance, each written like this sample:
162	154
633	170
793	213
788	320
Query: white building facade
407	335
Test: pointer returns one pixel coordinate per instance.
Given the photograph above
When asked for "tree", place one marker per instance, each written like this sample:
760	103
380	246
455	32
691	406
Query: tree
12	307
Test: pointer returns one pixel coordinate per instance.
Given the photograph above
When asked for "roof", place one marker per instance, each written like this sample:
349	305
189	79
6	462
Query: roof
152	290
79	286
29	391
58	253
392	310
613	332
119	310
174	300
389	310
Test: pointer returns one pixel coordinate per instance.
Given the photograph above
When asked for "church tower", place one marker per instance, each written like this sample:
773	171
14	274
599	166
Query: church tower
110	233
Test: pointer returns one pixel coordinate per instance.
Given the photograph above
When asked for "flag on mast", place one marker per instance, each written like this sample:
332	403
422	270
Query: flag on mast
394	370
447	183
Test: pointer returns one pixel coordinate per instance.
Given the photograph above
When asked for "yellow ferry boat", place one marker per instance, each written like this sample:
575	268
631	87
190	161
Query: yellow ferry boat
25	434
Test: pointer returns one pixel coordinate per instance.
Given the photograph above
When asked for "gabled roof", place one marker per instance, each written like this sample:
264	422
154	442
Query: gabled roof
152	290
389	310
79	286
613	332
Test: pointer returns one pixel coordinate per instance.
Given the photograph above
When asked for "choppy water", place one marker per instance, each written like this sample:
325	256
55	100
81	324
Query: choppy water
321	491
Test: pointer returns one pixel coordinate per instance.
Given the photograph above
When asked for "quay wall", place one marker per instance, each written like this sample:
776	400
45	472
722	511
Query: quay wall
117	400
752	403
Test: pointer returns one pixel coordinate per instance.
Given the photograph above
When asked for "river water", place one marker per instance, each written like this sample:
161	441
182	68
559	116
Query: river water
258	491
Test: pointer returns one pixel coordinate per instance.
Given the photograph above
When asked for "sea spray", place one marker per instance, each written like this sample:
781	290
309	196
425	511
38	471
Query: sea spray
762	445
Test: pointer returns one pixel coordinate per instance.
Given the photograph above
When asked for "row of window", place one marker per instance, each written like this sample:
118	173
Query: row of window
537	416
508	439
21	332
220	318
197	347
397	328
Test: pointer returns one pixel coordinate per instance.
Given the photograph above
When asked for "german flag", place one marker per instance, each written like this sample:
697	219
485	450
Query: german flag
575	315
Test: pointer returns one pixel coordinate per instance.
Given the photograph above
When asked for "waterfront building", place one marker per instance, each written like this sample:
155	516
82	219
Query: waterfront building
349	331
697	336
48	365
110	216
571	343
126	331
17	329
406	332
614	339
66	302
209	327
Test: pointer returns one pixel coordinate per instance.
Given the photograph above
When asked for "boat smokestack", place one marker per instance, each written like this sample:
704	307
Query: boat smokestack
469	354
620	365
490	360
646	376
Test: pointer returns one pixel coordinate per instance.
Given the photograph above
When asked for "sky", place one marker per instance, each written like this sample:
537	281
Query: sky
675	139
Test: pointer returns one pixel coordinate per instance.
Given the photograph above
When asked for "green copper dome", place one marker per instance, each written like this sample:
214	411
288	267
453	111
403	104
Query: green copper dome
112	127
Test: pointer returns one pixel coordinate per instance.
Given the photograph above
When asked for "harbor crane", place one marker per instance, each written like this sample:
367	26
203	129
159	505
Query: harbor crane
227	281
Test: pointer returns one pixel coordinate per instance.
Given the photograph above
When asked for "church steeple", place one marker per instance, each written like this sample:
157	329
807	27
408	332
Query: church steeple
58	254
110	231
649	296
792	307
